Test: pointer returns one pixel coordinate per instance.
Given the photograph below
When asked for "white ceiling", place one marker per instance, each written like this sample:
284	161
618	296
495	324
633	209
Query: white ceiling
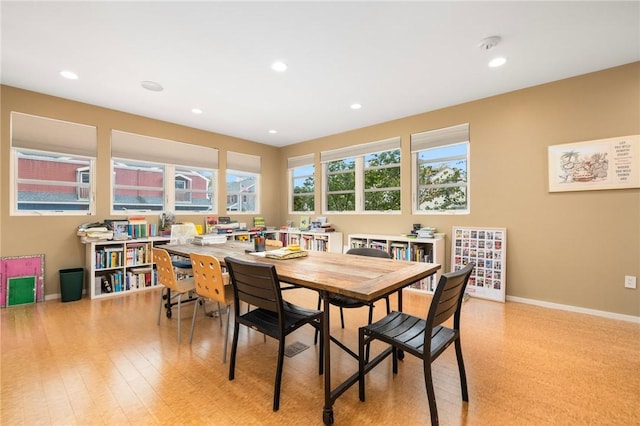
395	58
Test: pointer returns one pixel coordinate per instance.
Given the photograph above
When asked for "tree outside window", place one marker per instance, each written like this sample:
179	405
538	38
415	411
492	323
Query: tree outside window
303	184
443	178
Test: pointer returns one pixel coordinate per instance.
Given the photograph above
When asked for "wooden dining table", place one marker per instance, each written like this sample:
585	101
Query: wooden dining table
366	279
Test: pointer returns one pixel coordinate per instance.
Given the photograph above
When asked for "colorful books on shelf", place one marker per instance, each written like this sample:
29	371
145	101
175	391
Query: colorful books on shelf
210	223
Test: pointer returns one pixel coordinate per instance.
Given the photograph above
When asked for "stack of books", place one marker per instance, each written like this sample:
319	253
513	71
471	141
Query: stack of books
206	239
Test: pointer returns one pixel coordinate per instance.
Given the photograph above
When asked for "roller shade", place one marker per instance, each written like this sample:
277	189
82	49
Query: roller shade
48	134
440	137
303	160
361	149
131	146
243	162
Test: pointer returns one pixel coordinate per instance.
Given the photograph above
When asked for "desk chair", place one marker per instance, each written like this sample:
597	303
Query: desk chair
425	339
346	302
211	284
174	287
258	285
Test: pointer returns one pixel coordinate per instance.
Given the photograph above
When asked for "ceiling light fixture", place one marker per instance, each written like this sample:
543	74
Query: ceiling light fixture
279	66
151	85
70	75
356	106
497	62
196	111
273	131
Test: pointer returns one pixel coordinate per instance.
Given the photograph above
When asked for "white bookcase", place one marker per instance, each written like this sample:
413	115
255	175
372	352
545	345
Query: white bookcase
312	241
404	248
121	266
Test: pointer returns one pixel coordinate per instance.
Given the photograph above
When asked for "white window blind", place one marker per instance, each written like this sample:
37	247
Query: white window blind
302	160
156	150
243	162
361	149
440	137
47	134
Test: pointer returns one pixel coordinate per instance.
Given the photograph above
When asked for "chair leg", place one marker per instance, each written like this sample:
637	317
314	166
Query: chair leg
388	305
160	308
361	364
179	317
219	313
369	323
321	359
342	318
226	335
193	320
315	337
431	396
276	391
463	375
234	349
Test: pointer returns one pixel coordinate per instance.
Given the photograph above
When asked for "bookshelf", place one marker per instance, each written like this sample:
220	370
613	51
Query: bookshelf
312	241
121	267
404	248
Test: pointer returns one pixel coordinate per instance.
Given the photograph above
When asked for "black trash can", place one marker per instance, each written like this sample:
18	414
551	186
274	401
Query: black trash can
71	282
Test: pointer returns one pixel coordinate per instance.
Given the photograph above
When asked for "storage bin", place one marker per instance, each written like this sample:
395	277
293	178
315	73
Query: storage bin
71	282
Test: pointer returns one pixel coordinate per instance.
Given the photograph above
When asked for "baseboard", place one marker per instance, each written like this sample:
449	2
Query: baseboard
605	314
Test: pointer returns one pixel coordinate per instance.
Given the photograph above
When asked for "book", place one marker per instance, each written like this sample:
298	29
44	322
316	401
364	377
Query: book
210	223
285	253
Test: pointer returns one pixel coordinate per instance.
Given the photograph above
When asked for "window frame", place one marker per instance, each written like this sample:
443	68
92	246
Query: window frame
437	140
358	154
169	174
291	190
239	194
14	170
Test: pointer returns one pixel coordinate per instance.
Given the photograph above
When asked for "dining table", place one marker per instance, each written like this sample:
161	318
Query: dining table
366	279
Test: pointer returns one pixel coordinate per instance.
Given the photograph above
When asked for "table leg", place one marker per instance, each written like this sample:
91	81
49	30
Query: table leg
327	411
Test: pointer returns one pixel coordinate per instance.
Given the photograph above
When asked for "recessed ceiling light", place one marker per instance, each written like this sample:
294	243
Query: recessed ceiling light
69	75
273	132
497	62
152	85
356	106
279	66
196	111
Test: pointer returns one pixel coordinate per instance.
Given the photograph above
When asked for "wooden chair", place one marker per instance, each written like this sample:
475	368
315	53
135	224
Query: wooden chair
425	339
174	287
211	284
258	285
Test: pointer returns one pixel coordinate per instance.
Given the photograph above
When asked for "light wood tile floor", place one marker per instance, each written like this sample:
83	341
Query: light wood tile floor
106	362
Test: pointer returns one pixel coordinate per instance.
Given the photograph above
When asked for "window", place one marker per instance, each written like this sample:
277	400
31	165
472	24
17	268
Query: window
138	186
243	179
363	178
441	178
301	184
52	166
151	174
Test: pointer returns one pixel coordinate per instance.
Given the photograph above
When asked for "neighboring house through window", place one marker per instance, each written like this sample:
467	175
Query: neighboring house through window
52	167
243	183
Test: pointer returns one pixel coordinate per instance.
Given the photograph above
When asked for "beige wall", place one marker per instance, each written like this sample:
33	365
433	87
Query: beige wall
571	248
55	236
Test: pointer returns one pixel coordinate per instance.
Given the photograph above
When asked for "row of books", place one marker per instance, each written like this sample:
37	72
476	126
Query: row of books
113	257
133	279
399	251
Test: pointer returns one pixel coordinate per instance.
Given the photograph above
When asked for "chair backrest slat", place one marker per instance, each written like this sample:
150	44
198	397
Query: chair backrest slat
447	298
256	284
369	251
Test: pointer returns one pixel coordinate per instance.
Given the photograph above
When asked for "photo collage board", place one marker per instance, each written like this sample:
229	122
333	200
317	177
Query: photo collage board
487	248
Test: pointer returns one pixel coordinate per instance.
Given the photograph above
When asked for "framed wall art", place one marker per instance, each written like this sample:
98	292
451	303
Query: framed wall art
612	163
487	248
